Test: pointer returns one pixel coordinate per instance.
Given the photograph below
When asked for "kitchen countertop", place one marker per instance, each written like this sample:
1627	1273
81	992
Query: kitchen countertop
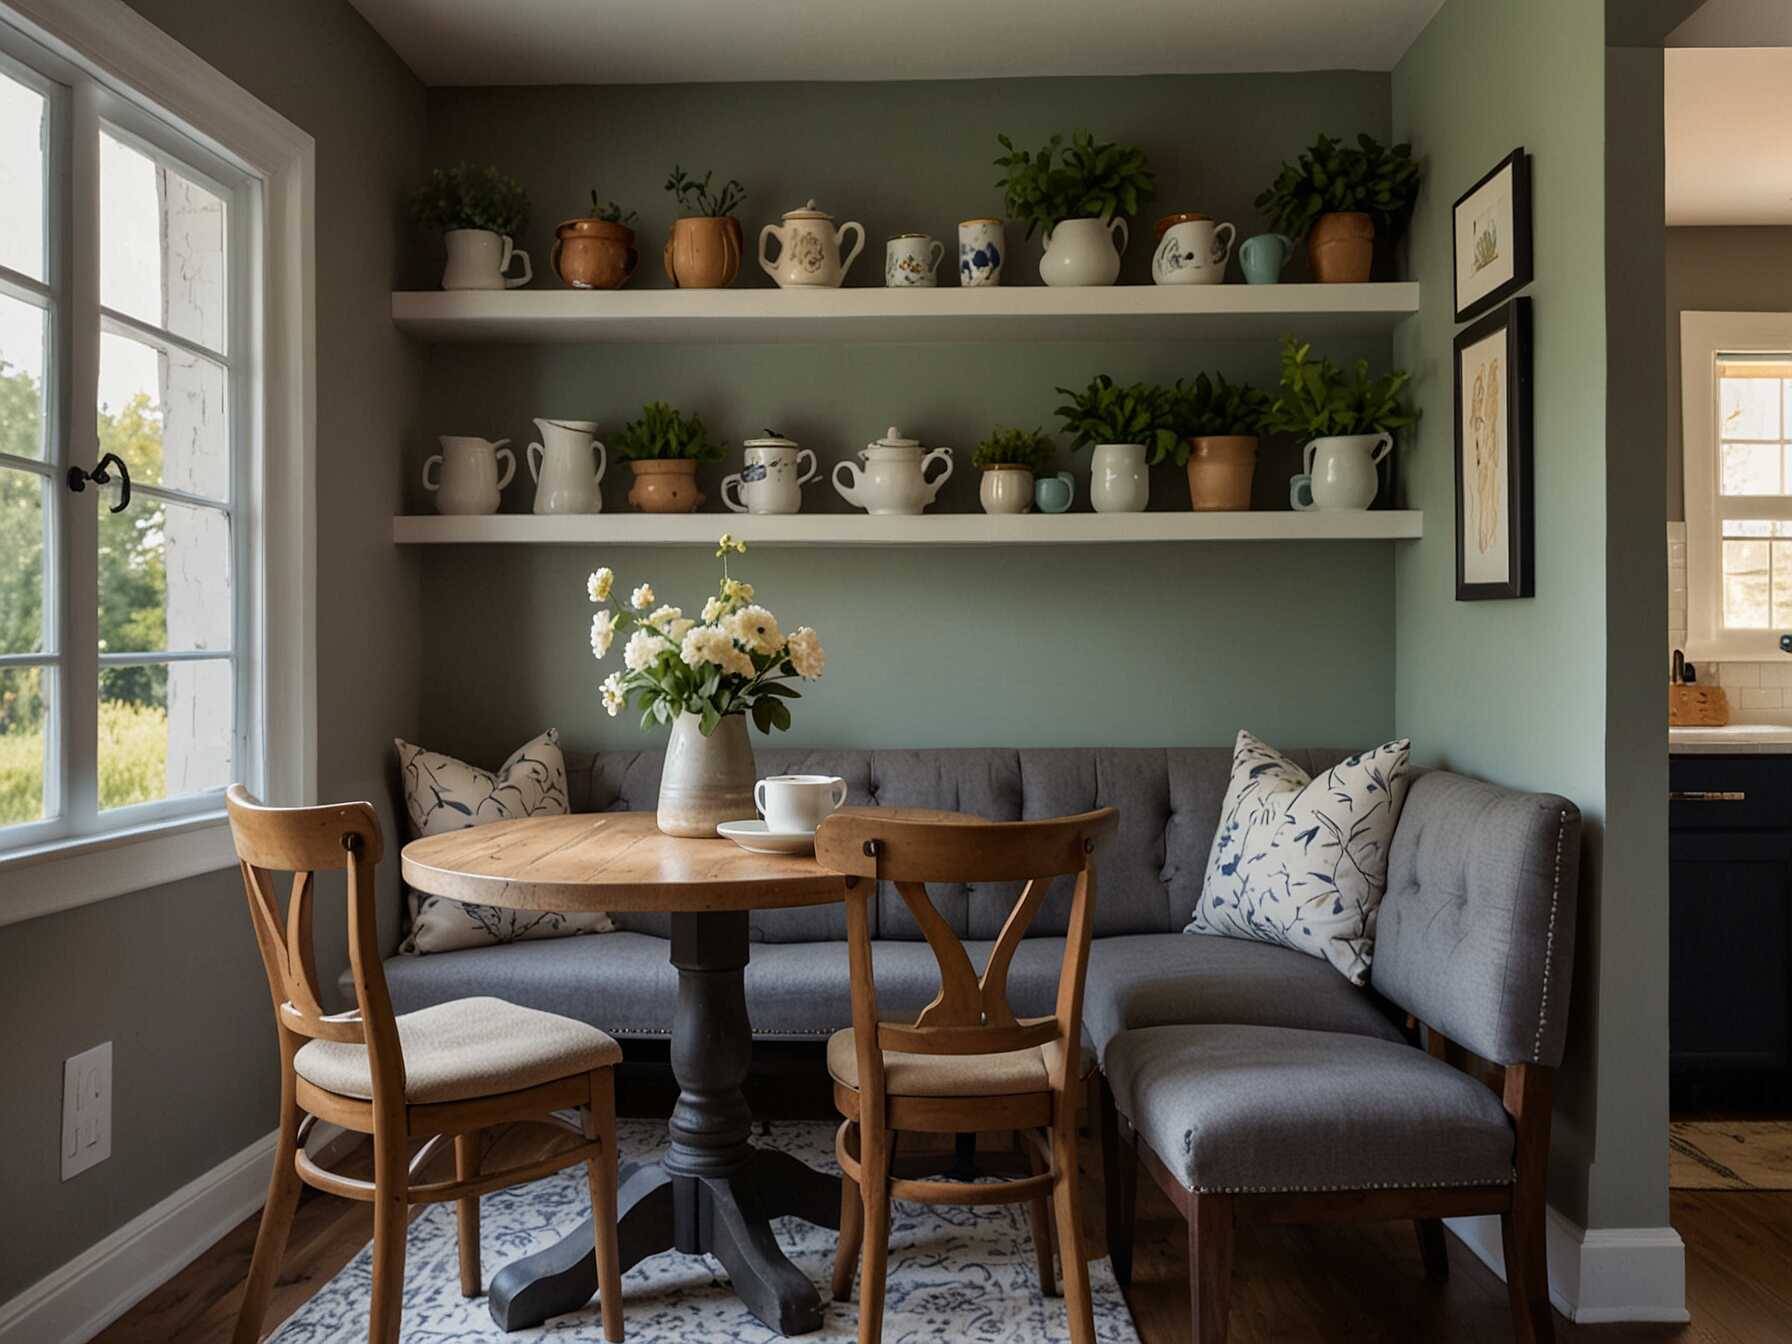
1758	739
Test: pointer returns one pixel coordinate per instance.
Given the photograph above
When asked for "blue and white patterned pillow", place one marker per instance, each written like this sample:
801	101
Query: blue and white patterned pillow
443	794
1303	862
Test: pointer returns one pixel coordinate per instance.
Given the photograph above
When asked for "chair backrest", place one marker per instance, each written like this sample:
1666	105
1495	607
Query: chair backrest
303	841
971	1014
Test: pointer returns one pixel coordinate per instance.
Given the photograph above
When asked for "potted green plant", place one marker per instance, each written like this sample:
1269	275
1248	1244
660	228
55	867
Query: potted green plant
1335	195
663	449
1009	459
1077	193
1122	422
703	249
1218	424
477	211
597	251
1349	423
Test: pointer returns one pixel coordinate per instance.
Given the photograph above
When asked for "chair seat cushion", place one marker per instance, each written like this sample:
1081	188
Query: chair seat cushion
1175	979
466	1048
1250	1110
907	1075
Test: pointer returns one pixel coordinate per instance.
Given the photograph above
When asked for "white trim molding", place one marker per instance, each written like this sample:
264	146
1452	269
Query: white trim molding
1598	1275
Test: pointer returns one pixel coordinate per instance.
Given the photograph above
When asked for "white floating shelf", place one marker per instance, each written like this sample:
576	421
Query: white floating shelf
1021	313
945	529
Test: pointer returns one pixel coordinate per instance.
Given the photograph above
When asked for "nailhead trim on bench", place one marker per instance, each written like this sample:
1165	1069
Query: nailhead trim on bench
1549	941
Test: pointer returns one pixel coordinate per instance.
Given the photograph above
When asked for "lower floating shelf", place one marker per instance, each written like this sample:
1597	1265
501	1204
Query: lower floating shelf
941	529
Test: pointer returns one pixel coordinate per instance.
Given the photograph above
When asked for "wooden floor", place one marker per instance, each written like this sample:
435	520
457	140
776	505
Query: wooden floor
1290	1284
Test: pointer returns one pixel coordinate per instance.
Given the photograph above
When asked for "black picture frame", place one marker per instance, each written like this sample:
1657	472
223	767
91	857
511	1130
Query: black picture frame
1517	164
1502	488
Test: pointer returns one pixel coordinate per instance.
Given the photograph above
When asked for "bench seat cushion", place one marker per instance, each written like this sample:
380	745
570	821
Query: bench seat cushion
1179	979
1252	1110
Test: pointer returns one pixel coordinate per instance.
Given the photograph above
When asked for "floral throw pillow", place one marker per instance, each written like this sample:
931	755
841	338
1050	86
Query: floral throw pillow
443	794
1300	861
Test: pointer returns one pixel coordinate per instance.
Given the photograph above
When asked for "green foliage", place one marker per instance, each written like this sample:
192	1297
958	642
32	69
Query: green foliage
611	212
1030	448
662	432
133	746
1110	412
1212	406
699	199
1315	399
1075	182
466	197
1333	176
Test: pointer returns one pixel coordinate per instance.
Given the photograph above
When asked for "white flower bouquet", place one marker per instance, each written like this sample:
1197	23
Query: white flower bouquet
735	659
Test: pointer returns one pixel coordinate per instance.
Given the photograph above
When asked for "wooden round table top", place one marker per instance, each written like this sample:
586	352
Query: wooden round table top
608	861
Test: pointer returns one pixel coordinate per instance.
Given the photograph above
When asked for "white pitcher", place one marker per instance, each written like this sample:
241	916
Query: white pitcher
894	477
1083	252
809	249
469	481
561	466
479	258
1340	472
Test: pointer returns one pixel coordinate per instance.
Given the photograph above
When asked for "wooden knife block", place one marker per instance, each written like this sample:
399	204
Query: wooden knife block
1697	706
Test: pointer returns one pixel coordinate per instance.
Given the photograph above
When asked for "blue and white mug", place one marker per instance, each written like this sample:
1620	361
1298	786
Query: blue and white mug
982	247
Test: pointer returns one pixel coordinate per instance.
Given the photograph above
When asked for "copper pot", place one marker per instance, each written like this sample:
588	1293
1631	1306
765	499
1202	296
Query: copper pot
1342	247
1220	471
595	253
703	253
665	485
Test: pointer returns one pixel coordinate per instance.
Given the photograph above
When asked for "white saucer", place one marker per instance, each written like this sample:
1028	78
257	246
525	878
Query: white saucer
757	837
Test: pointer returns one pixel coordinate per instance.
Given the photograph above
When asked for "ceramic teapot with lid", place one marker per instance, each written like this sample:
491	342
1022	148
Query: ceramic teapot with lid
894	478
809	249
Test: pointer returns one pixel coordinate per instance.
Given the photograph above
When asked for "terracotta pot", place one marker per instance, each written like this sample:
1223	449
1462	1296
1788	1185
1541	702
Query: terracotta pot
703	253
594	253
665	485
1220	471
1342	248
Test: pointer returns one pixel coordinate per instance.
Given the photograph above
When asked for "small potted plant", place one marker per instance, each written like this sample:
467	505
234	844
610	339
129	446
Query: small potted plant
1076	193
478	211
1349	423
1009	459
703	249
1218	423
663	449
1123	423
597	251
1335	195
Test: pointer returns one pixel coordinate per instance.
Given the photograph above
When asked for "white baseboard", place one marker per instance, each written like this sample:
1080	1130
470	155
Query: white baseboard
1598	1275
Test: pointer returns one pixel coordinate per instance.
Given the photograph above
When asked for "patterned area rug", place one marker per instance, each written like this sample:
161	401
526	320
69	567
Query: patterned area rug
1730	1155
955	1273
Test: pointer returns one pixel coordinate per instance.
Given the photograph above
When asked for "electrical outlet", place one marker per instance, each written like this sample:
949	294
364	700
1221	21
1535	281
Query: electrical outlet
86	1109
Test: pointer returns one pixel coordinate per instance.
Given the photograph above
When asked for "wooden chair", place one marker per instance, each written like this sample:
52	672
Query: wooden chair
966	1063
450	1071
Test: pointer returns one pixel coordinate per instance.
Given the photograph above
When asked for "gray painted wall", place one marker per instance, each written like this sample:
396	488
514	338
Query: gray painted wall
170	976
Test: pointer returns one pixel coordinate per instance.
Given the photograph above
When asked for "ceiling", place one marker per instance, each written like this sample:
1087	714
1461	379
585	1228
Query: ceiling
707	41
1729	146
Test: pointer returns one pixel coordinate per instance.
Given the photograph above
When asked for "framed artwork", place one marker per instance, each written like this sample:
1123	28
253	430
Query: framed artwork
1492	222
1494	506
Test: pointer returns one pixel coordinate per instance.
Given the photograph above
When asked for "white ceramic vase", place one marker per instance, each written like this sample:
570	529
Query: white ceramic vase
706	780
1119	480
479	258
1006	490
1083	252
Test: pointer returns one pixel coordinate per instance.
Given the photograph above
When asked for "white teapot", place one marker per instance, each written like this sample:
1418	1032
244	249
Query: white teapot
809	249
894	477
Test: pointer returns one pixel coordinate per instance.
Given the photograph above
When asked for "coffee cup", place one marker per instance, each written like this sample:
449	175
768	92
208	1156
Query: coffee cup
1052	494
797	804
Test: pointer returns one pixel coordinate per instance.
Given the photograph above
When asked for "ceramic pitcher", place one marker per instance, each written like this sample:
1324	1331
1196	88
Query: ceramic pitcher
1191	250
468	481
1083	252
773	478
894	477
561	466
479	259
809	249
1340	472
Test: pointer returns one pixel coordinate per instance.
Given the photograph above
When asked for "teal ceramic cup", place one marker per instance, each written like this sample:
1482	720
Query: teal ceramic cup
1052	494
1264	256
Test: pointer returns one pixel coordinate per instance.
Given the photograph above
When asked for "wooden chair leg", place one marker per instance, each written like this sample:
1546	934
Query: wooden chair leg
1066	1201
1209	1267
466	1211
276	1222
1527	1276
1432	1250
852	1227
1120	1185
390	1221
1039	1219
875	1145
602	1173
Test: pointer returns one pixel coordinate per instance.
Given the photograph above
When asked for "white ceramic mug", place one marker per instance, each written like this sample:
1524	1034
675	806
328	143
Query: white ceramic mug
797	804
982	246
1194	252
912	261
480	259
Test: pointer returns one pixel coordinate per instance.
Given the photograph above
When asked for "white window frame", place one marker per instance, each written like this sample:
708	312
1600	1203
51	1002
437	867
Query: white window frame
1704	339
137	78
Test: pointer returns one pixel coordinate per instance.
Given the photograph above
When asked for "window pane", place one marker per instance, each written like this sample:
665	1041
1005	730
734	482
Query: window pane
165	581
165	730
24	122
1750	468
166	413
162	252
1748	408
21	377
22	507
24	731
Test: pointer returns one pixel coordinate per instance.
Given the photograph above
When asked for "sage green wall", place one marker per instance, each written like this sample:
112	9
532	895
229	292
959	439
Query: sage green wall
170	975
1121	645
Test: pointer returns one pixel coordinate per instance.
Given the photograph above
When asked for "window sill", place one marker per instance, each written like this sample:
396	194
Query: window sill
64	874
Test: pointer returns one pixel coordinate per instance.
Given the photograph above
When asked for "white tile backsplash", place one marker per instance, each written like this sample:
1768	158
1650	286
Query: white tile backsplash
1776	674
1757	697
1736	676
